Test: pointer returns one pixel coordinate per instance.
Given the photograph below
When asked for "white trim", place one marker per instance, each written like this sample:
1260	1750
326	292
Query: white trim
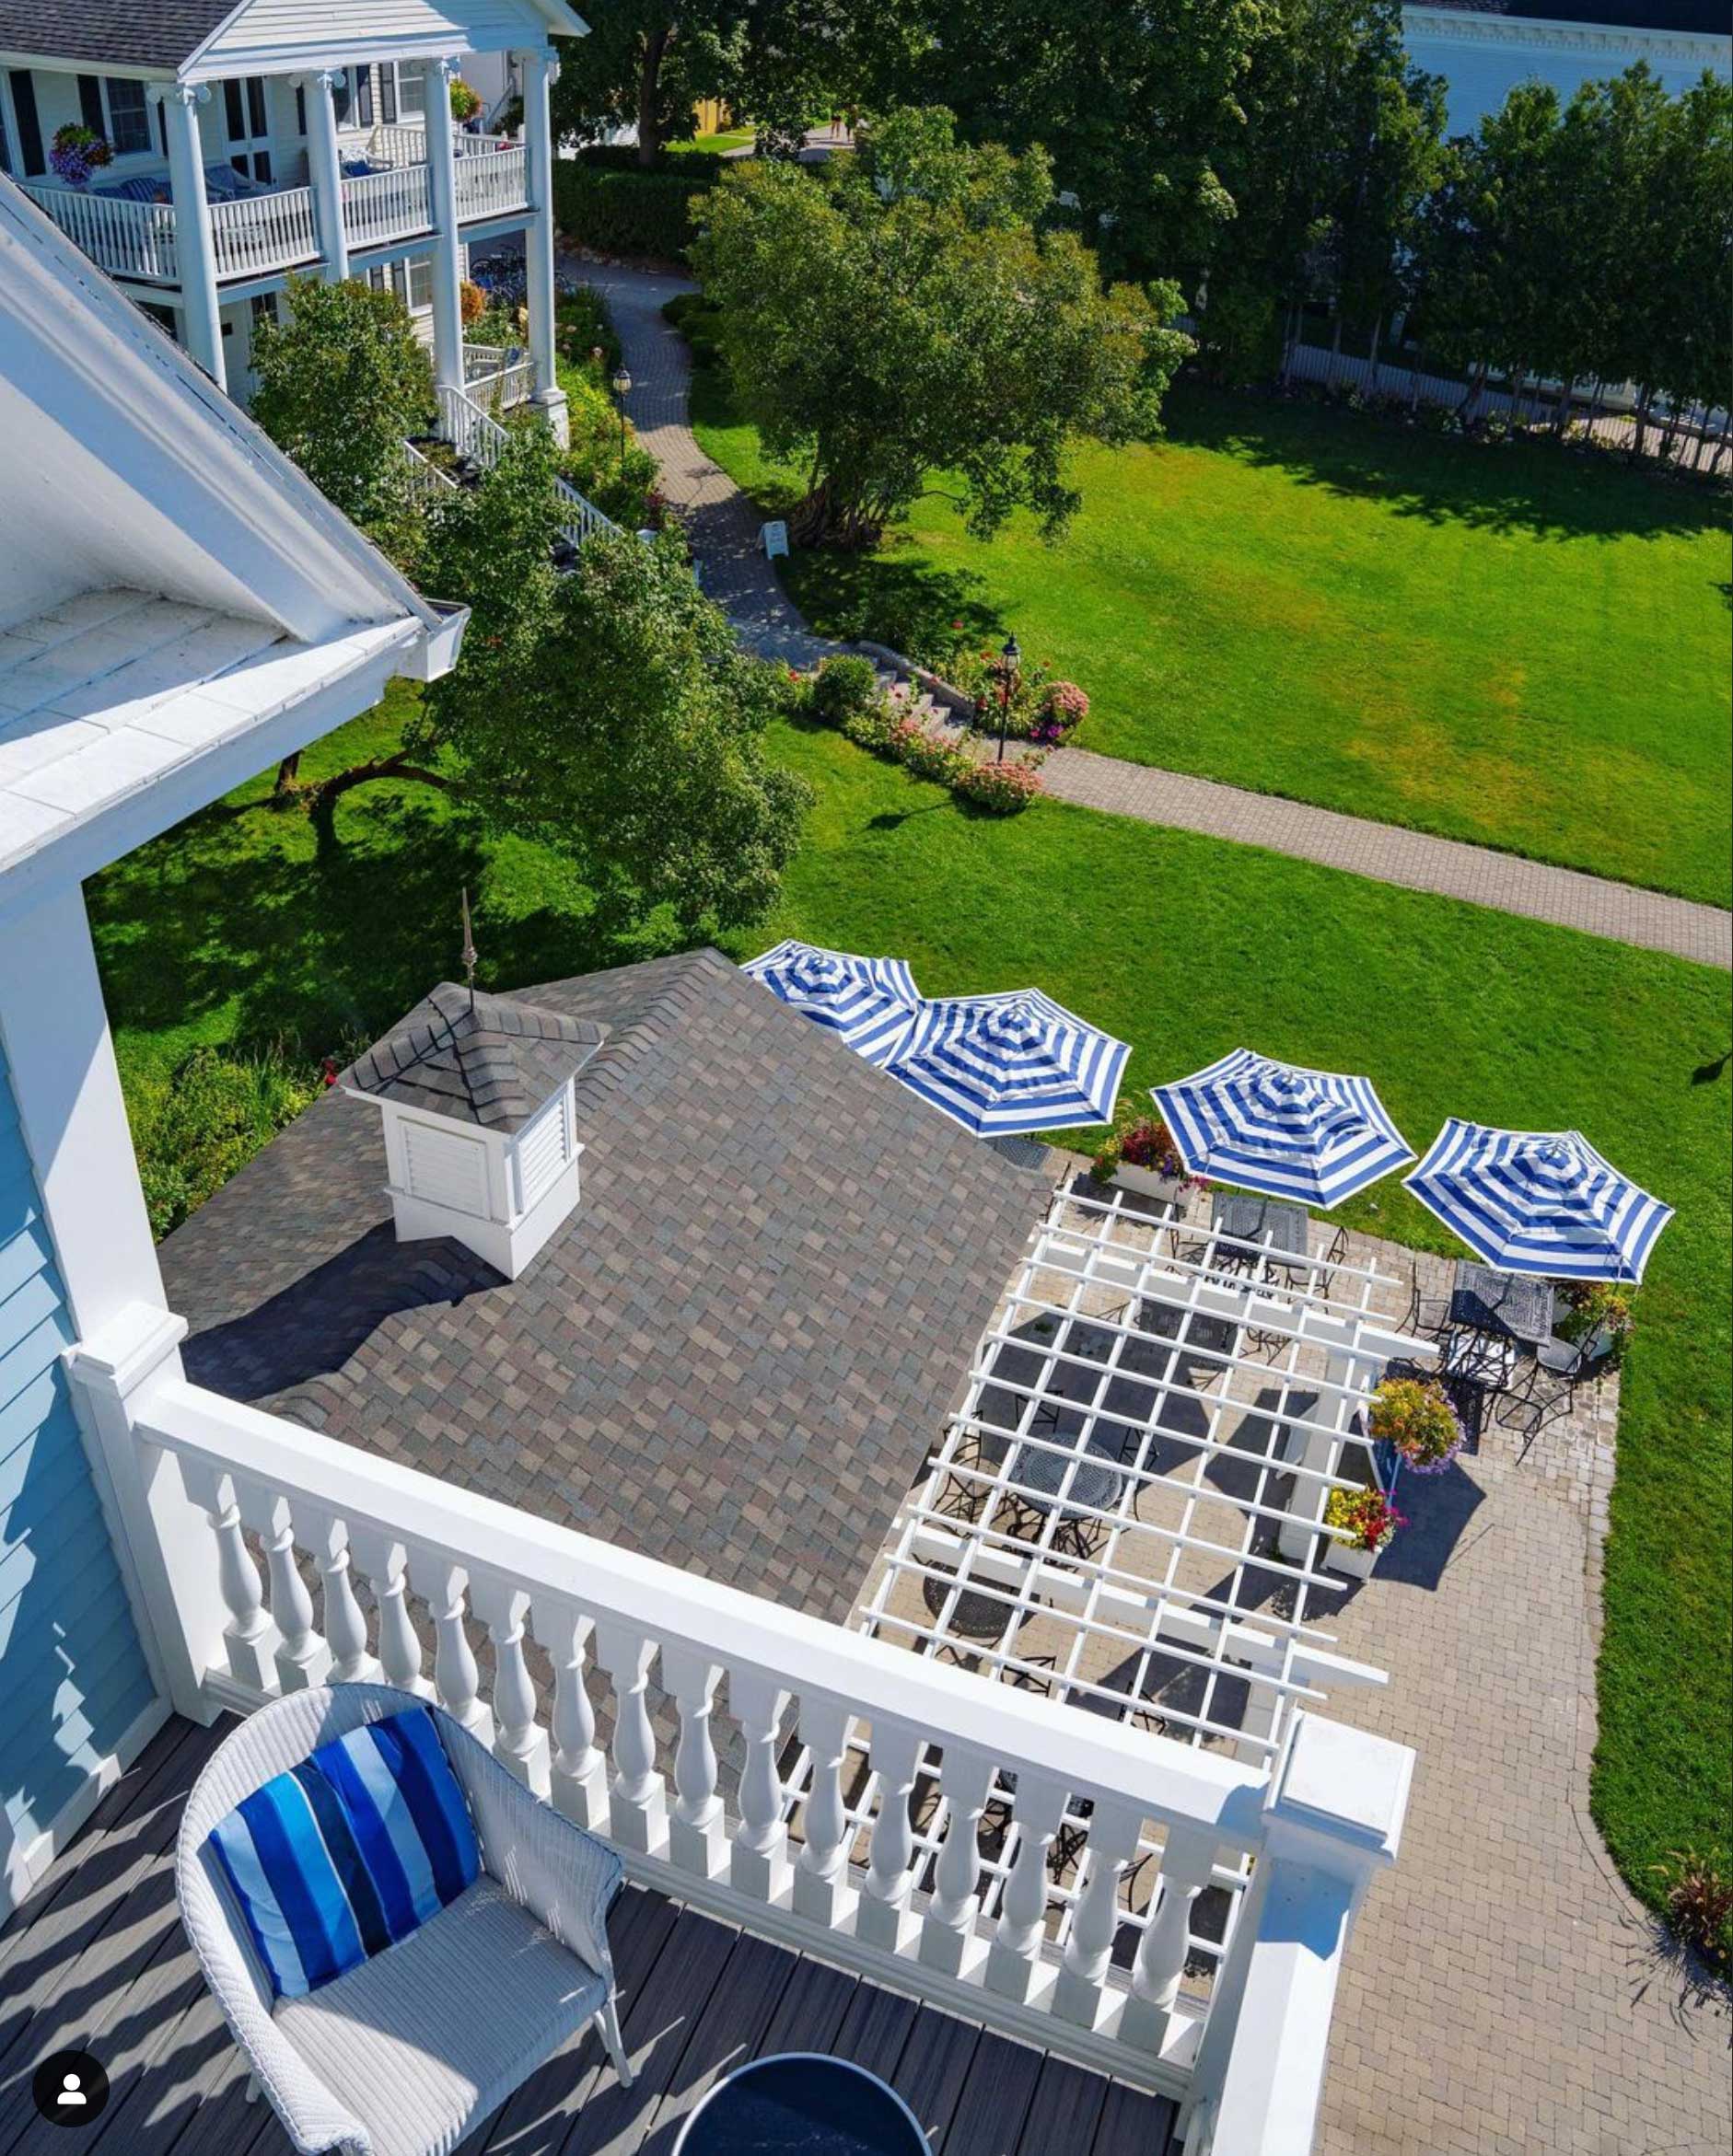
1614	43
26	1863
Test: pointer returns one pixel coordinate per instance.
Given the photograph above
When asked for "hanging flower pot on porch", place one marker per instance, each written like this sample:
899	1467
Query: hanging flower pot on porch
77	151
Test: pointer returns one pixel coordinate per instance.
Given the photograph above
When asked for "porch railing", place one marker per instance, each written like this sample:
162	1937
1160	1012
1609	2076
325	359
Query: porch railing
258	233
401	142
381	206
854	1818
128	239
493	185
476	434
498	377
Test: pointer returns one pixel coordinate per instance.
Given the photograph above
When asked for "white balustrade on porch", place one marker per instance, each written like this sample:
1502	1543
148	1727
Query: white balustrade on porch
1087	1974
382	206
258	233
127	238
396	141
474	434
492	182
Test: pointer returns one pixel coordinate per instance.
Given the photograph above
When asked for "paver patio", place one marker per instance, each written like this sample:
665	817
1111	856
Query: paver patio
723	525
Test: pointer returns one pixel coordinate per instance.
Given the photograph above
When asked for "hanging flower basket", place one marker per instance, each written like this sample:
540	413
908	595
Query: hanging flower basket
77	151
1416	1418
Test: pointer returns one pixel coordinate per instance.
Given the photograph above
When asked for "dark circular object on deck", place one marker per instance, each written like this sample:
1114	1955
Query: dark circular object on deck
802	2104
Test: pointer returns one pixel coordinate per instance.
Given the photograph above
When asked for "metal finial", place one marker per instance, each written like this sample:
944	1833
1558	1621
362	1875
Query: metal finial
470	952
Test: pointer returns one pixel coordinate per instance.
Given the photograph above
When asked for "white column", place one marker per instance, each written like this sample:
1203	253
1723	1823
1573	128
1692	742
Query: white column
325	170
196	252
54	1035
540	72
442	188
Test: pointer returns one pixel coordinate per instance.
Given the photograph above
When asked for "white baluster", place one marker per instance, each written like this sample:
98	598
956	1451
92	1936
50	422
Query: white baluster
1113	1831
637	1802
1014	1959
457	1680
696	1840
303	1659
383	1566
947	1936
885	1918
251	1638
759	1865
345	1621
821	1888
579	1774
1186	1865
521	1744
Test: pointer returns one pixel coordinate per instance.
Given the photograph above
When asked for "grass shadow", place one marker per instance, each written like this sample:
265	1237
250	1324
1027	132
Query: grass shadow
1518	486
892	596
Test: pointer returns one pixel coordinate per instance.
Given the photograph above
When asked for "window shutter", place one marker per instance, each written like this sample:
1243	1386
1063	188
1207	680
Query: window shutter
388	92
363	95
233	114
90	103
256	113
30	126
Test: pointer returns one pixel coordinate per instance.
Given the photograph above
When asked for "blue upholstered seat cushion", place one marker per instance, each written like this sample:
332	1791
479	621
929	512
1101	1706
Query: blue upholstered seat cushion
348	1851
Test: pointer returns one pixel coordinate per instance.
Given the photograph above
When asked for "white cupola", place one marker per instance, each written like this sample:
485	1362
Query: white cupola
478	1097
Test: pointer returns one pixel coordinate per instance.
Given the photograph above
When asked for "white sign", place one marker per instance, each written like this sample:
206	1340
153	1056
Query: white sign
773	539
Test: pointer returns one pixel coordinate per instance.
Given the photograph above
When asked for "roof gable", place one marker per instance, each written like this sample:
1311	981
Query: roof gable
198	37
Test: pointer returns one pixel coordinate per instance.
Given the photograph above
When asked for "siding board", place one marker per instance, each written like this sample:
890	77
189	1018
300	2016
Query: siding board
73	1677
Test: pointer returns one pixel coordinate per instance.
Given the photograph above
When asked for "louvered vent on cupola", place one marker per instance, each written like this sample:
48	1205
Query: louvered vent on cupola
479	1112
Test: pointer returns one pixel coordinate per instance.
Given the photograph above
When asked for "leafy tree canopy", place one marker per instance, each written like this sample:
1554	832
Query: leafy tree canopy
342	384
647	63
906	317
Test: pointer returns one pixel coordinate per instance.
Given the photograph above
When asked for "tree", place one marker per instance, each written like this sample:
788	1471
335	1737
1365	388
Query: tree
612	715
645	63
907	317
342	385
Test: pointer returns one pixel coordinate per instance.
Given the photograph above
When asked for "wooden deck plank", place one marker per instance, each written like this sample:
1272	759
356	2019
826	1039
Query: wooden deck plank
98	1954
729	2032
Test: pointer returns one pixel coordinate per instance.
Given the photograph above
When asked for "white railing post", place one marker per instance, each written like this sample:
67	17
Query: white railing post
251	1639
457	1680
195	251
821	1888
324	166
1013	1958
1187	1863
885	1918
697	1839
759	1865
345	1621
1332	1820
579	1772
303	1659
385	1567
947	1936
1077	1994
520	1744
637	1807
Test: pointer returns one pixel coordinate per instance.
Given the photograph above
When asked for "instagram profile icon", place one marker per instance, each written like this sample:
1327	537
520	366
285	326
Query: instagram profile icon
70	2089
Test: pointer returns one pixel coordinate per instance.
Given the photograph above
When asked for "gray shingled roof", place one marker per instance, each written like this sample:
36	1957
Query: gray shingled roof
129	33
733	1355
491	1060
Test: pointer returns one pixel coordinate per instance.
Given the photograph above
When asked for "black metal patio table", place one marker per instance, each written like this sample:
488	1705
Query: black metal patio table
1509	1305
802	2104
1241	1216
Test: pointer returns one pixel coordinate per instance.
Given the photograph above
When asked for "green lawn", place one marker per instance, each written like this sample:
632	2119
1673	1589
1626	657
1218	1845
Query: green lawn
1511	645
235	929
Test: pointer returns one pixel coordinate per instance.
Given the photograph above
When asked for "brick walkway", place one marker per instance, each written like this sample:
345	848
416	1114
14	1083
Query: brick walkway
723	529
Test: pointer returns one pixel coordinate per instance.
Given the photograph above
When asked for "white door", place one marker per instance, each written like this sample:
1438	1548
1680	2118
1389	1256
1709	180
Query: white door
247	119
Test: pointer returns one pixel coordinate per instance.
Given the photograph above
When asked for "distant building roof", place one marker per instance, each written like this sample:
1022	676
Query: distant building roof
734	1355
133	33
1702	19
491	1060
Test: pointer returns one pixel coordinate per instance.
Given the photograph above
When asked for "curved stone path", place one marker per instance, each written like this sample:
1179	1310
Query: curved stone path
723	529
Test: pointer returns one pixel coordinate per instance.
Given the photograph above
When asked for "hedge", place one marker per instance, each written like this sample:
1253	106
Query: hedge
630	212
623	158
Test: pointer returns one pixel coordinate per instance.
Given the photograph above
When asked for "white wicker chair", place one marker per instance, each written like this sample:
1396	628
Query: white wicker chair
404	2055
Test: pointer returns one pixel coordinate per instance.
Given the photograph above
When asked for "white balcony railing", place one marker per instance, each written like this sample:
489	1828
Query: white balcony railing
854	1818
399	142
496	377
476	434
258	235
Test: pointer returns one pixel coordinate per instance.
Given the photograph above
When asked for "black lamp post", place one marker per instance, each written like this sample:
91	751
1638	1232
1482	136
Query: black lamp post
622	389
1009	660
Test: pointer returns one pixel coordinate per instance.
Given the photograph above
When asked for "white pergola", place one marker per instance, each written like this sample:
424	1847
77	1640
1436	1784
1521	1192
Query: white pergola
1123	1512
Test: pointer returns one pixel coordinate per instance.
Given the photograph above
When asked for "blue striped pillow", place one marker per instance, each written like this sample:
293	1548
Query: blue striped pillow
348	1851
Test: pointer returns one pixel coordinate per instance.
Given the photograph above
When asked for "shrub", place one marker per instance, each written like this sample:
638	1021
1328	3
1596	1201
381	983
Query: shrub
1066	702
1700	1907
1591	1306
875	728
629	213
1413	1415
707	164
472	302
927	757
1363	1519
582	325
844	687
195	1129
999	789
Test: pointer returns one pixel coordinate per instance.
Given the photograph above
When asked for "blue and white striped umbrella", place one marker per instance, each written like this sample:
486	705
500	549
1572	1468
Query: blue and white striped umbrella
1005	1063
1279	1128
1538	1202
868	1002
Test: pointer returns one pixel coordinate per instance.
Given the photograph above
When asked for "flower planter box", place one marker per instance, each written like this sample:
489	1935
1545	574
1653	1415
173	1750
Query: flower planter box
1343	1557
1147	1182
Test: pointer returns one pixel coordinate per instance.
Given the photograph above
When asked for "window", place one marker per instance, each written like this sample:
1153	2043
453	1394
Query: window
419	275
129	118
388	92
90	104
412	93
30	126
265	308
301	108
233	113
164	317
258	118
